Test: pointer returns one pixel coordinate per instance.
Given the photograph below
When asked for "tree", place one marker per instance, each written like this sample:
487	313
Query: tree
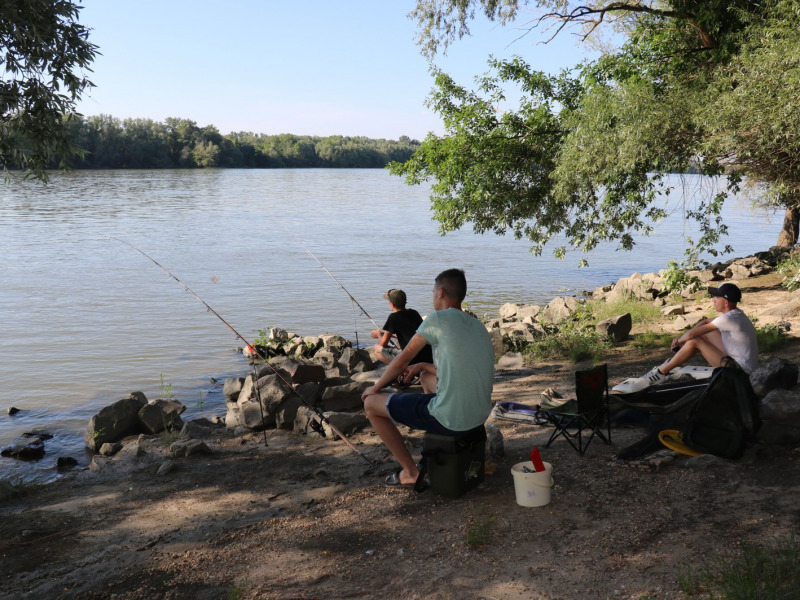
586	153
44	52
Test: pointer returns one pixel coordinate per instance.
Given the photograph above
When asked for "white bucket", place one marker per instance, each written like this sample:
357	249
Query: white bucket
532	489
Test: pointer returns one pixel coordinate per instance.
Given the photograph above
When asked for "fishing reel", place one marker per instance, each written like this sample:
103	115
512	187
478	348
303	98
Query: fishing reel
316	426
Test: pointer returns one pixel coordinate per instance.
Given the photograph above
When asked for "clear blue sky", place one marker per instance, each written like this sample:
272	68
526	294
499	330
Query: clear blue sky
313	67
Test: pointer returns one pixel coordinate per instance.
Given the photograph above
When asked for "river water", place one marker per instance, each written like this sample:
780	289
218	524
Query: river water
86	319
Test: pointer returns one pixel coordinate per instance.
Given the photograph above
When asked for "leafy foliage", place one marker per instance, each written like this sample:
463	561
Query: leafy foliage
790	269
44	52
710	87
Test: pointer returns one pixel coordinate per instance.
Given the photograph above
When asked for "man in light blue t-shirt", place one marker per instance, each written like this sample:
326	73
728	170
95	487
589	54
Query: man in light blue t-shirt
457	386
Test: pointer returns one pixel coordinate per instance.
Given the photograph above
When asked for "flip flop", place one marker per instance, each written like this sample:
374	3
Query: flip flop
393	481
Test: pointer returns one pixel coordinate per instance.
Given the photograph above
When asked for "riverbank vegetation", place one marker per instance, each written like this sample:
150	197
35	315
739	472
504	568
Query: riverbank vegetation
112	143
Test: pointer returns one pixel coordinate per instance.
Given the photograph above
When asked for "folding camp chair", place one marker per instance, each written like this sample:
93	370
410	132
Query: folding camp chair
588	412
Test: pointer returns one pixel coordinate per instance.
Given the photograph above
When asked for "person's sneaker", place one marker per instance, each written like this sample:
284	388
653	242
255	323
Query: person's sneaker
654	375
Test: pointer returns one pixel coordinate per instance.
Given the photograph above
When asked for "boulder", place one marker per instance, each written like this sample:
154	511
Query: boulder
780	414
560	309
29	446
303	371
284	418
508	310
687	321
673	310
347	423
616	328
188	447
529	311
161	415
232	387
773	373
114	422
496	336
344	397
270	389
352	357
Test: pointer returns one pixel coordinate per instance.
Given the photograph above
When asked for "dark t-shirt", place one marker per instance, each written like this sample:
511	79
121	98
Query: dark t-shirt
404	324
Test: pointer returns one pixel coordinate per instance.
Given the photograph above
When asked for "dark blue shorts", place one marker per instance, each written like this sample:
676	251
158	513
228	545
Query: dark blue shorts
412	410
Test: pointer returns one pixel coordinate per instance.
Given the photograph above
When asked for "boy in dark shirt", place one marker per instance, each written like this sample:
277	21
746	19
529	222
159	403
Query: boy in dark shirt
402	324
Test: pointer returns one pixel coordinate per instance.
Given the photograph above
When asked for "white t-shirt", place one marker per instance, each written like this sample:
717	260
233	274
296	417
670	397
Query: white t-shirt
739	338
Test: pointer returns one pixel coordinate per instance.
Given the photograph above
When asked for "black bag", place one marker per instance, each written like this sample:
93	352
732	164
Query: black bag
724	419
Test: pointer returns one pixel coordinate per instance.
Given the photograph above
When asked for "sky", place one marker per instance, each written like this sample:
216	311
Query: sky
307	67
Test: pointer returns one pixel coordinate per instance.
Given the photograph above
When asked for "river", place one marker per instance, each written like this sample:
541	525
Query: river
87	319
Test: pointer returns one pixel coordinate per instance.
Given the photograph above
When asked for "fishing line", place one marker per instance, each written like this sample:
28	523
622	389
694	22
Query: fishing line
344	289
255	351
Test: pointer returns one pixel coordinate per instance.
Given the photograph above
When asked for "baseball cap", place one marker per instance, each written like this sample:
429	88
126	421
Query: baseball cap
729	291
396	297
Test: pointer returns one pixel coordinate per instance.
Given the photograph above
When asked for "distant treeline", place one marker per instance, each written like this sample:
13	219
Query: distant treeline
111	143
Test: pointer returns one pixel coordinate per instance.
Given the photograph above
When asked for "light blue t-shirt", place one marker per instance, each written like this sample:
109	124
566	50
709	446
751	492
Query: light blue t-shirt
464	360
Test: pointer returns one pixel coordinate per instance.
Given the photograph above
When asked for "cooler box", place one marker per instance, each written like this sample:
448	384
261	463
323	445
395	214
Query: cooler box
455	463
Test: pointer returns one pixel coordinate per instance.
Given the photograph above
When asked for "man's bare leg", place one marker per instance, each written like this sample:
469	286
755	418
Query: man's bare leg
709	345
375	409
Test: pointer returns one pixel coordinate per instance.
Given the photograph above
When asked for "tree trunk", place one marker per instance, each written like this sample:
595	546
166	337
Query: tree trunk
788	235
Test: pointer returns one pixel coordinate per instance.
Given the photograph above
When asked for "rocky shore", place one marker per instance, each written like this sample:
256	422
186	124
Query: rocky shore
257	504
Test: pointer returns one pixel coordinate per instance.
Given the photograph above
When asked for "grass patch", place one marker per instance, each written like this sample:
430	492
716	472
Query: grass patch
641	312
479	531
650	340
754	572
577	345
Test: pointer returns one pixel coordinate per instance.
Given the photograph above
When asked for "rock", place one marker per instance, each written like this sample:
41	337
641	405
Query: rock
232	387
673	310
188	448
529	311
284	418
166	467
304	419
508	310
780	414
496	336
114	422
66	462
687	321
352	357
303	371
520	332
99	462
344	397
161	415
347	423
272	391
193	430
110	449
12	410
559	309
26	447
494	438
616	328
773	373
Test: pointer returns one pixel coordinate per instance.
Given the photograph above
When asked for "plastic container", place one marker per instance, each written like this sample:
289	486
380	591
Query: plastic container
532	489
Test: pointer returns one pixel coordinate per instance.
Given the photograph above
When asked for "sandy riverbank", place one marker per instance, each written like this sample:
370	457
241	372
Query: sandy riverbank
305	517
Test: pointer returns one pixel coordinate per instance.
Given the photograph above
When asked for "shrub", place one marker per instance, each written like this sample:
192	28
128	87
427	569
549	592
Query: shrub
790	269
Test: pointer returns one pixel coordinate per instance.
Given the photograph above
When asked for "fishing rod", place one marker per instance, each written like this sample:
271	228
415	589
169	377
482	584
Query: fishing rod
319	262
255	351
